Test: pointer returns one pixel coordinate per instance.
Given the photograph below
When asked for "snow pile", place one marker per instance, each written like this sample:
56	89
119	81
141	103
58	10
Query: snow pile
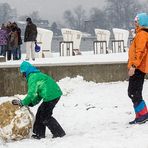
93	115
15	122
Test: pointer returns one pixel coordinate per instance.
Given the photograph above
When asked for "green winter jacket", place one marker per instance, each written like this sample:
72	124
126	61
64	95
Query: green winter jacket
40	86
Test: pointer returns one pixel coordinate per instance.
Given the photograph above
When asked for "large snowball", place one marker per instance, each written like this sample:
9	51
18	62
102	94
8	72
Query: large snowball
15	122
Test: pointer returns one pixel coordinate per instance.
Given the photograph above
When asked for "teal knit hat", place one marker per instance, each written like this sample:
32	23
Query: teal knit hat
142	19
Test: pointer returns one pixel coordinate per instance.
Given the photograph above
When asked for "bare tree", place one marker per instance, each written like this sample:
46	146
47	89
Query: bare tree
55	29
121	12
79	17
99	17
69	18
75	19
35	16
5	13
145	6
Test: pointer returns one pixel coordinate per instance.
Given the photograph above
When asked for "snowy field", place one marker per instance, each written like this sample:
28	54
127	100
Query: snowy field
94	115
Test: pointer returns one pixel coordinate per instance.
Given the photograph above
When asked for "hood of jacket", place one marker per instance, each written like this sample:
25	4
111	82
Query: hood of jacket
28	68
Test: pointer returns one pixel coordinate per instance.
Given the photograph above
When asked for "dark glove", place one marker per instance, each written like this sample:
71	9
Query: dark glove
16	102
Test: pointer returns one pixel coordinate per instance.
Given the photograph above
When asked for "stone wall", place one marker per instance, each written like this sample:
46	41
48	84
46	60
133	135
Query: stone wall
2	59
12	82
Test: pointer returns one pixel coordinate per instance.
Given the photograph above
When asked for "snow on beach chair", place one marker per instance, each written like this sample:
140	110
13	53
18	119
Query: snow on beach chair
121	40
71	42
101	46
44	39
77	35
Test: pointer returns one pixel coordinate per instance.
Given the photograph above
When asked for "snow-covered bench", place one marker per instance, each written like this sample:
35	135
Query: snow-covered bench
71	42
102	43
44	39
120	42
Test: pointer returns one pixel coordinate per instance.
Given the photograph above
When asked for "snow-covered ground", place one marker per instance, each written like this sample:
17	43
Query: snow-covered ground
94	115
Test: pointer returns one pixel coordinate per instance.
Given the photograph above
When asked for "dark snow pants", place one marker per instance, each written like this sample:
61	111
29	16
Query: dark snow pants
44	118
135	86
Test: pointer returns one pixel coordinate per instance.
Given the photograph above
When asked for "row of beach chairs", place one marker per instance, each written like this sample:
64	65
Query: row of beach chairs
70	45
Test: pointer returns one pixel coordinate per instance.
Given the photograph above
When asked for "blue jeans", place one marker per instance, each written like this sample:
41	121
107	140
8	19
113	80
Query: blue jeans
19	52
3	50
14	53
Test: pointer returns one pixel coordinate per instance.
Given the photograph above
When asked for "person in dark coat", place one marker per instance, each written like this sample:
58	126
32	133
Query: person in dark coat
8	46
30	39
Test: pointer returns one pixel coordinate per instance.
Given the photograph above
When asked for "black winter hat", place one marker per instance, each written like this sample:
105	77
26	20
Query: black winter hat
28	19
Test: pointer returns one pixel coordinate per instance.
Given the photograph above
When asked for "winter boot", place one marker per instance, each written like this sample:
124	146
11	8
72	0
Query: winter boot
141	113
39	130
54	127
133	122
140	120
37	136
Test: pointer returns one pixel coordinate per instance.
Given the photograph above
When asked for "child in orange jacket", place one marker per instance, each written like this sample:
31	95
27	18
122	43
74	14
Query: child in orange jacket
138	67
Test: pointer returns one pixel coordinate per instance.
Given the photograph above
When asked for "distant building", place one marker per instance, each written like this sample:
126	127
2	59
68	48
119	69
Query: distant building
42	23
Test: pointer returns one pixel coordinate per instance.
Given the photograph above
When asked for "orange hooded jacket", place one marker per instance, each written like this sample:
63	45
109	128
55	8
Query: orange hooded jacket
138	51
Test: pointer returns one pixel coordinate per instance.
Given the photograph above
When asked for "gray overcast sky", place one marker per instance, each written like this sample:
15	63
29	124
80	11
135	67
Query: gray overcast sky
51	9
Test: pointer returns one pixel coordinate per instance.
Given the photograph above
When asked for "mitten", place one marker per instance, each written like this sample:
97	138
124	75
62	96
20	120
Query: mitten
16	102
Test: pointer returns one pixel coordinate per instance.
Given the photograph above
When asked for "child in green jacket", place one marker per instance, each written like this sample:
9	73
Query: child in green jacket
41	87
